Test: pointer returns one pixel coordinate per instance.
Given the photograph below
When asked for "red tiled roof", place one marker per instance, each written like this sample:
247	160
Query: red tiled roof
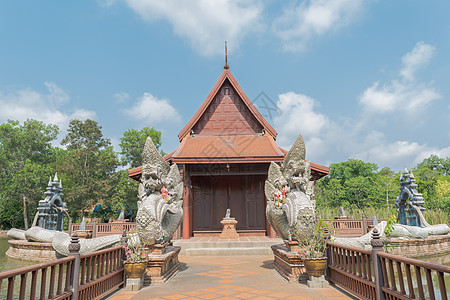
226	74
227	149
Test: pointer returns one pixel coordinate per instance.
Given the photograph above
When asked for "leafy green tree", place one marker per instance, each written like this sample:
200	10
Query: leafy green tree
123	195
352	168
87	165
132	144
26	155
437	164
387	183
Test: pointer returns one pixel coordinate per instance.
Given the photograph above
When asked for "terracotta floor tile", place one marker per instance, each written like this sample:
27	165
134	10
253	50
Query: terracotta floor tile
244	296
260	292
278	295
298	297
262	298
227	286
227	292
208	296
193	293
211	290
227	298
226	281
175	296
243	289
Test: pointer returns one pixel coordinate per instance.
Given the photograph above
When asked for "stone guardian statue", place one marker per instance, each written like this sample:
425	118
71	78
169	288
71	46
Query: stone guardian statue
288	190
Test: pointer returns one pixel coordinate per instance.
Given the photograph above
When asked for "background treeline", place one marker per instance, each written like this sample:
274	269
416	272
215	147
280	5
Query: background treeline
93	173
360	187
90	170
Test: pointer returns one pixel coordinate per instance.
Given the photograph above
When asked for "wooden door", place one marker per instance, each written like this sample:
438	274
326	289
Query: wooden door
244	195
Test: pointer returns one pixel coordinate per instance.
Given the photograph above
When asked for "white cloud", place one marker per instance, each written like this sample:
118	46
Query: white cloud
299	23
206	24
298	115
152	110
28	104
418	57
121	97
406	93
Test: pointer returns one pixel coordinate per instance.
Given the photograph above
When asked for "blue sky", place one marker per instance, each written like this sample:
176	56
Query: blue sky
359	79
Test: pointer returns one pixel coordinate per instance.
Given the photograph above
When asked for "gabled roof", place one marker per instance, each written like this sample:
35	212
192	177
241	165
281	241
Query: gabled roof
226	74
226	149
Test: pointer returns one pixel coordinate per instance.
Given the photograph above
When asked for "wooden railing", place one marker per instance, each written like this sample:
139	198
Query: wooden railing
351	269
100	273
29	276
350	227
104	229
87	276
404	278
378	275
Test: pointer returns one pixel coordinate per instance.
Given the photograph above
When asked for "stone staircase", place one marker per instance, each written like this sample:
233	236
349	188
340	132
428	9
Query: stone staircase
213	246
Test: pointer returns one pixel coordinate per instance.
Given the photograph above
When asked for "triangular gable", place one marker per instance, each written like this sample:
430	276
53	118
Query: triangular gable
226	75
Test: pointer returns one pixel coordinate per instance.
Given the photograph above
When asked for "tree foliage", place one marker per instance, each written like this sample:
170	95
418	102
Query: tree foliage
26	157
87	165
132	143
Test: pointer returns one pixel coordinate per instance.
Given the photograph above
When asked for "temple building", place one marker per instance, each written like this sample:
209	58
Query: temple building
224	155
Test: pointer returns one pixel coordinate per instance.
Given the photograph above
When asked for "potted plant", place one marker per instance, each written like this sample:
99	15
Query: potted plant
313	244
135	262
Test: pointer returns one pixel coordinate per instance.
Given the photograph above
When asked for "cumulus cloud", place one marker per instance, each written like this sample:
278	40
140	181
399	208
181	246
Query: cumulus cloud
300	22
404	93
48	107
205	24
298	114
152	110
414	60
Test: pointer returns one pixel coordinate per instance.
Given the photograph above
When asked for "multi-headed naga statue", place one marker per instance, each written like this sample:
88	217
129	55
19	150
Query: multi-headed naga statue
160	197
288	190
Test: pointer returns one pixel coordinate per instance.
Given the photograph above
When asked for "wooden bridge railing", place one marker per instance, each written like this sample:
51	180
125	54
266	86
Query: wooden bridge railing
404	278
104	229
351	268
378	275
87	276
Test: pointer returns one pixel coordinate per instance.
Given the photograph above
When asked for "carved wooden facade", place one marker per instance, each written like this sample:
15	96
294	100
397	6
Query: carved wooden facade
224	155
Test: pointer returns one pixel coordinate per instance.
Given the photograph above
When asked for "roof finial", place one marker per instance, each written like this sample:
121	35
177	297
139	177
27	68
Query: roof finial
226	66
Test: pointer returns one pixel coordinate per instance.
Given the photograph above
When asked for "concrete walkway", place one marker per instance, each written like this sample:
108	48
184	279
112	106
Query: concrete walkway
229	277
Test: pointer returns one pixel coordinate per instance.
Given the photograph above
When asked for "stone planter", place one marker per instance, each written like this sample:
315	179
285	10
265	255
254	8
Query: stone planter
135	269
315	266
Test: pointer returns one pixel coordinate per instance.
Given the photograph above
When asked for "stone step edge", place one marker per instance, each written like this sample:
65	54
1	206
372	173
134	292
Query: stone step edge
226	251
224	245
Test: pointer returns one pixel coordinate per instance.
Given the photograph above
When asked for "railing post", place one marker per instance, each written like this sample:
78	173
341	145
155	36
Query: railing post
124	243
74	250
94	227
69	226
326	236
377	246
364	223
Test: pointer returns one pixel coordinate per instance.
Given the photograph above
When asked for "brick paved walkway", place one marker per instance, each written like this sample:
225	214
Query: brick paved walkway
229	277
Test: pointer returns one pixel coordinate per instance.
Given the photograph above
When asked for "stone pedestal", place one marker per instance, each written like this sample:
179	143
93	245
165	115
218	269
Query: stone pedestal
289	264
317	282
34	251
229	229
292	246
162	267
134	284
84	234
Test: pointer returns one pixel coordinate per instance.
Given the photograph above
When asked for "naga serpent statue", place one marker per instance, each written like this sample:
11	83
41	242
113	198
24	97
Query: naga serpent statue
160	197
288	190
48	225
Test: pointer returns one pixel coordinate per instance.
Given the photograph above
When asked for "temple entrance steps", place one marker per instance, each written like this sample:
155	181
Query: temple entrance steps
210	246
